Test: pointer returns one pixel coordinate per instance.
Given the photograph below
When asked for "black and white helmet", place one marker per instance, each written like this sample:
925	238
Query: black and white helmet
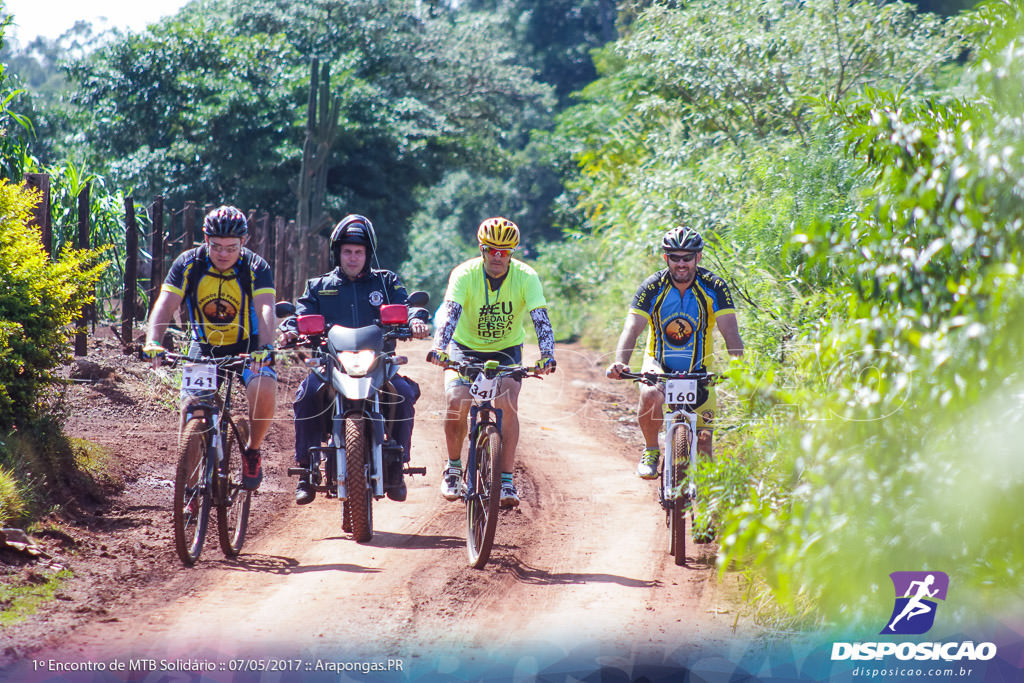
353	229
225	221
682	238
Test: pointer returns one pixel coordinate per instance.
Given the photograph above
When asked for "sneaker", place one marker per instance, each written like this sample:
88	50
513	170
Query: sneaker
509	497
452	486
304	491
252	471
647	468
394	482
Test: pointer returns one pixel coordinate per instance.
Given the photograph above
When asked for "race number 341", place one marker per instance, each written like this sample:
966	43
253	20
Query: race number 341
681	391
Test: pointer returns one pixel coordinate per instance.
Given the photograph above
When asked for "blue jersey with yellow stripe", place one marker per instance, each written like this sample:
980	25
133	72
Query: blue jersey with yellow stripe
680	323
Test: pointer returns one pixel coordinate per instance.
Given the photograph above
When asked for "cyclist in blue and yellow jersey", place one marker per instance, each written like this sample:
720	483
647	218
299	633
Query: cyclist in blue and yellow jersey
679	305
482	318
228	293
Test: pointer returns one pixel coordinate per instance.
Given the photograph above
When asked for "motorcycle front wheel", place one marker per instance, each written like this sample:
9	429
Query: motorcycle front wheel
359	506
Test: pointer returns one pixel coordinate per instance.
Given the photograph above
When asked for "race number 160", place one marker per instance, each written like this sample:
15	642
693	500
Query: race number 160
681	391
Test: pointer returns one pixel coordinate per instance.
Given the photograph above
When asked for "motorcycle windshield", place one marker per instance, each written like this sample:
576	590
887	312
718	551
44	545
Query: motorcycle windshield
369	338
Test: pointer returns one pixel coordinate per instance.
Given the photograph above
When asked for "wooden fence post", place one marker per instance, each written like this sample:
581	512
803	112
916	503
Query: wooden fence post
188	226
266	239
41	213
279	262
81	337
156	248
295	269
131	269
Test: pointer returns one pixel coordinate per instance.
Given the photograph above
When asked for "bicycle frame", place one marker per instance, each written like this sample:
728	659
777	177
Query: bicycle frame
488	410
213	417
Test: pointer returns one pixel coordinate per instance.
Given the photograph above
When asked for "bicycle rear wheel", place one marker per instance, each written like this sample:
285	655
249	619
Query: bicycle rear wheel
482	506
233	499
360	496
192	494
681	443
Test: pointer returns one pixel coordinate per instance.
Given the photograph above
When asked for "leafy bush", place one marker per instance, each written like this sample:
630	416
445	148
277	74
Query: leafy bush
40	298
911	393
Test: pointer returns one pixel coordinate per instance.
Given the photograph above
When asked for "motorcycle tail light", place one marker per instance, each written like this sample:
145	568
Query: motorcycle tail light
356	363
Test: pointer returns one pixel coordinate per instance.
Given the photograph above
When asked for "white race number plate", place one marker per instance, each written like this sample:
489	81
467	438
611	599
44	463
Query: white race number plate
199	376
681	391
484	389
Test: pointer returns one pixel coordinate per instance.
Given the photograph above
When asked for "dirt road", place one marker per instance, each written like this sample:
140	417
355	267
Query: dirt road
579	571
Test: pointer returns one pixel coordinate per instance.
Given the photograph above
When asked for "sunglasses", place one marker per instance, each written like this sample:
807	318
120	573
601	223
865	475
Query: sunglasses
491	251
683	258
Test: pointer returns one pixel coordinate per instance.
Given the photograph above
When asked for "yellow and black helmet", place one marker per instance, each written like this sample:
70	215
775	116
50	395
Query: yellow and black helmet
498	233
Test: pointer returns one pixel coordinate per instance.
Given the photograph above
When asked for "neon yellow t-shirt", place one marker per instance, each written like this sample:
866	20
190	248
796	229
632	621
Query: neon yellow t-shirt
493	320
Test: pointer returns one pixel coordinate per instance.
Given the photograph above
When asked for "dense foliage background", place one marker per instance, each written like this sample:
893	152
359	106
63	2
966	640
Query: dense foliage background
855	165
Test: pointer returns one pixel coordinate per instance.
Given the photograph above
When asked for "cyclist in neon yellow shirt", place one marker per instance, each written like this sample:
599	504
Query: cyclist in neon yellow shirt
482	318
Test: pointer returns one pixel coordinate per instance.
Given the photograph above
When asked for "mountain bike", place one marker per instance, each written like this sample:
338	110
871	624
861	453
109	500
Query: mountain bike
210	451
482	474
684	391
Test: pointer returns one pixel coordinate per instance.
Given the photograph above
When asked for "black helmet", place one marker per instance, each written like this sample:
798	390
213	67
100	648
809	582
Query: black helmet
225	221
353	229
682	238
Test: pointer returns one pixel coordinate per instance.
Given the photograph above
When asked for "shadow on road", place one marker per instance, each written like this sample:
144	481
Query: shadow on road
275	564
385	539
527	574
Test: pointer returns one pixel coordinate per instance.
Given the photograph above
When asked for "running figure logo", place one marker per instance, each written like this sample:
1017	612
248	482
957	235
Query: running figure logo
914	612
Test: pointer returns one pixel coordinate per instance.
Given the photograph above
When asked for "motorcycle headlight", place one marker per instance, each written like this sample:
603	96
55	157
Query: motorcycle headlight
356	363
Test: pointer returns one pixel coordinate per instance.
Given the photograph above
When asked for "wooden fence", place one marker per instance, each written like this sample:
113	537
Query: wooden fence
149	253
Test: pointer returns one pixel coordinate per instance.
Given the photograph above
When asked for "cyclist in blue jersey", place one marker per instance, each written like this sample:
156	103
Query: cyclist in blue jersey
679	305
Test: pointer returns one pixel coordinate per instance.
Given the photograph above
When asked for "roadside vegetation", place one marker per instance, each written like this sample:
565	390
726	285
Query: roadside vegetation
855	166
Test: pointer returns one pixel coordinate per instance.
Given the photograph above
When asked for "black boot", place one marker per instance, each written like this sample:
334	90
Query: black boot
304	492
394	482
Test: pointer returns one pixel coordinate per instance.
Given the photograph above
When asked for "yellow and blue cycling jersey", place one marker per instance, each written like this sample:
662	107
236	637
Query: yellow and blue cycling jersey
220	310
680	324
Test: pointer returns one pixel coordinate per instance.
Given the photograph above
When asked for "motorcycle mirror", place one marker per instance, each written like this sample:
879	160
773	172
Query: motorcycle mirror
394	314
284	309
419	299
310	325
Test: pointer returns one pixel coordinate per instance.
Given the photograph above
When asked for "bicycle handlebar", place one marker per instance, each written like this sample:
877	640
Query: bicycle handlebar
652	378
226	362
469	369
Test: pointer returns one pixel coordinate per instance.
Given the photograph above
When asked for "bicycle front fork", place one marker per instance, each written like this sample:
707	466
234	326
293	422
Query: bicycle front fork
680	419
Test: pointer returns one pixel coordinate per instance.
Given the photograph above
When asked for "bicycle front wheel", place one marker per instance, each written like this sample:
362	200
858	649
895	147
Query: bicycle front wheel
681	443
192	494
482	506
360	496
233	498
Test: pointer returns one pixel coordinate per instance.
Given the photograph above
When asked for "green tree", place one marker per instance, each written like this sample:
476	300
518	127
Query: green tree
192	112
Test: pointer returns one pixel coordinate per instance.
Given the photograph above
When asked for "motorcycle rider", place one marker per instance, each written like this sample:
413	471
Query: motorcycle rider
351	295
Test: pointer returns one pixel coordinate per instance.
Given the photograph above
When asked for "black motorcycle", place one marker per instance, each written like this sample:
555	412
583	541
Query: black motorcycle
354	365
